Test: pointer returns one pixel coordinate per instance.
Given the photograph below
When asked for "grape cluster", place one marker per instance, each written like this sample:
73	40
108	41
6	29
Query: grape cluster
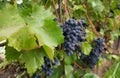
93	57
74	34
48	65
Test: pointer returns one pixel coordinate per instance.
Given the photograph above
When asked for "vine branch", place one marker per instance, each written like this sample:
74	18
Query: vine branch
55	9
67	8
60	10
90	21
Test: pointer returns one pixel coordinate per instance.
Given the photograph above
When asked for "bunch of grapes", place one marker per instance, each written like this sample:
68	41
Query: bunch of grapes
48	66
74	34
93	57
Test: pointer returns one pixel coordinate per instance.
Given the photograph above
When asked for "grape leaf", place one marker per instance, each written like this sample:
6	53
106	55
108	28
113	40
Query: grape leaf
58	72
78	73
42	24
86	48
33	59
90	75
49	51
11	54
68	69
70	76
69	60
23	39
46	30
90	35
10	21
97	5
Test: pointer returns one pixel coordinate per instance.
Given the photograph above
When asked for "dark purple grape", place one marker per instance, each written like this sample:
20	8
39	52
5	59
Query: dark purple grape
55	19
48	65
36	76
55	61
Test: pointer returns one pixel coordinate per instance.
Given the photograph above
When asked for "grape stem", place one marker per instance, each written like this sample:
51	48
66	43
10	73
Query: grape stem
94	29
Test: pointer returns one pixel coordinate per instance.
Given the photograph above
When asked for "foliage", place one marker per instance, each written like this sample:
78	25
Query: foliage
31	33
113	72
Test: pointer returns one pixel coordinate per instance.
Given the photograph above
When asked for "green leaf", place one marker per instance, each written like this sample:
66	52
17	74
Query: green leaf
90	35
33	59
78	73
42	24
116	57
2	4
96	5
46	30
113	71
11	54
115	34
86	48
10	21
114	3
23	39
68	69
90	75
106	5
49	51
47	3
58	72
70	59
111	23
70	76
